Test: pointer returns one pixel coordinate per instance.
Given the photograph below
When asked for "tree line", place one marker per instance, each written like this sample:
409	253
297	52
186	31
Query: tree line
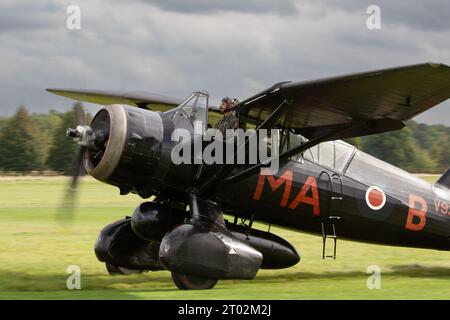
37	142
417	148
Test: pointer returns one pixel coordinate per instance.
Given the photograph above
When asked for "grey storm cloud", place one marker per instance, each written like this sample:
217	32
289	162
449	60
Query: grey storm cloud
425	15
229	48
213	6
25	16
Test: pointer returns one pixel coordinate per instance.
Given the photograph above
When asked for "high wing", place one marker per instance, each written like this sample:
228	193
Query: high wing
383	99
139	99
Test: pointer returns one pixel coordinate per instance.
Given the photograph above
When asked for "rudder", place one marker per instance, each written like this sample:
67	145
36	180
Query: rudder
444	180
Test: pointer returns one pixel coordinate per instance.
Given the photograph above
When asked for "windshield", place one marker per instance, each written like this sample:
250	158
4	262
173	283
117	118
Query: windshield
195	108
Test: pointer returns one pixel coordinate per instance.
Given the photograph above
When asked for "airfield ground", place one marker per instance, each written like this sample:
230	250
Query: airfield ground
35	252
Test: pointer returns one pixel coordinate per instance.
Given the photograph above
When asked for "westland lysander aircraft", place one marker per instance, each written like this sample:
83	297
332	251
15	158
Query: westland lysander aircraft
324	186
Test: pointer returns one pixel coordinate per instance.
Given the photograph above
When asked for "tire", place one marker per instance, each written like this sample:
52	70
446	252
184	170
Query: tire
115	270
189	282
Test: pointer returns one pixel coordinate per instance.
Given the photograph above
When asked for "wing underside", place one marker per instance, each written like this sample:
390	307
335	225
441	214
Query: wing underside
315	107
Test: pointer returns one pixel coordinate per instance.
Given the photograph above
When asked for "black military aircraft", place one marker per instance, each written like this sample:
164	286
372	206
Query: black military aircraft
324	186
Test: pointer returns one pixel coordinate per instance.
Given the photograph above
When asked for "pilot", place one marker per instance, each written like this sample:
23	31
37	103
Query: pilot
229	120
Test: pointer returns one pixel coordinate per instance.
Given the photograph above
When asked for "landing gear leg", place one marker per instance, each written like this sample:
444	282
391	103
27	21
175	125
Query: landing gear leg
189	282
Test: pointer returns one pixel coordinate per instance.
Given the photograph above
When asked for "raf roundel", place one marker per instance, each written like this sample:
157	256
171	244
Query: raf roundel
375	198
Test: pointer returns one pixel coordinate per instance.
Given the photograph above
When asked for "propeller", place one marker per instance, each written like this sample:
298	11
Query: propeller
84	136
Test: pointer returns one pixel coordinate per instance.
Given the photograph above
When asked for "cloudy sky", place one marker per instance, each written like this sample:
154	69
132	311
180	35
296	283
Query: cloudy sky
230	47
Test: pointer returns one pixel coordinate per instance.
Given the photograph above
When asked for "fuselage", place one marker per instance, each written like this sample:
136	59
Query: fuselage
333	182
369	200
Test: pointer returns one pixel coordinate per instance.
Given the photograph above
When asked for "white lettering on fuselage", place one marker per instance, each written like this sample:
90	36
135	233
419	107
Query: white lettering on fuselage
441	206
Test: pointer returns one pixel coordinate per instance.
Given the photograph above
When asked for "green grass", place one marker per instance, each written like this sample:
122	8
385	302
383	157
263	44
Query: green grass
35	252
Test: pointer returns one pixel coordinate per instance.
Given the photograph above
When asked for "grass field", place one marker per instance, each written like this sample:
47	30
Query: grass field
35	252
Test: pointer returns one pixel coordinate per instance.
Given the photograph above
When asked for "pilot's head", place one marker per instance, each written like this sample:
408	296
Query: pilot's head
226	105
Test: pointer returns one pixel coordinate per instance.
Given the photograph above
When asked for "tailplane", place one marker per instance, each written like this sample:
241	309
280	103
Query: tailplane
444	180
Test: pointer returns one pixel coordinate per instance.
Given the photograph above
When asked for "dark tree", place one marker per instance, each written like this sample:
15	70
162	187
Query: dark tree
400	149
21	144
63	152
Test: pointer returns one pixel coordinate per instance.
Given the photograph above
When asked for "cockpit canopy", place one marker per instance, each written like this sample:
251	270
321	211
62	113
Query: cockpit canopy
332	154
193	111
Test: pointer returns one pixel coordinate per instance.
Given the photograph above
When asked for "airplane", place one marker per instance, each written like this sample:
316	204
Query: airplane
324	186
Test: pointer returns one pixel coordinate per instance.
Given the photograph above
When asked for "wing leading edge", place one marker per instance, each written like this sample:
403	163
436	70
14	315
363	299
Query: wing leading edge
139	99
382	99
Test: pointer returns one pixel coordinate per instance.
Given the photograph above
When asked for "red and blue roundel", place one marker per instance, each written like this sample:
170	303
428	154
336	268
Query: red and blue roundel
375	198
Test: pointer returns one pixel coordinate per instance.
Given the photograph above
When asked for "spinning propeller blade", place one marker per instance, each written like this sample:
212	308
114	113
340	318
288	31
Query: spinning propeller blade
84	136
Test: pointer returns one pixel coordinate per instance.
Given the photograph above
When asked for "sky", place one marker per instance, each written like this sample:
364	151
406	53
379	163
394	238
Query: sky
229	48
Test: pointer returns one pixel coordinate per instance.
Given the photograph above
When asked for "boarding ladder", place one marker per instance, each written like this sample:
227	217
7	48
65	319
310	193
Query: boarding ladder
329	222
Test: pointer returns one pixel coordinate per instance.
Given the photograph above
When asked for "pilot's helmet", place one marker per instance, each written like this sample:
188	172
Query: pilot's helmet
228	100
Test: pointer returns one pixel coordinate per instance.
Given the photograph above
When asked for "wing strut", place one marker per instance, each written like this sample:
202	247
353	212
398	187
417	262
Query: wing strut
287	154
226	169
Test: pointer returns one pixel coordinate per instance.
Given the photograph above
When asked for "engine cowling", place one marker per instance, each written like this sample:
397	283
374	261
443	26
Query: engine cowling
128	147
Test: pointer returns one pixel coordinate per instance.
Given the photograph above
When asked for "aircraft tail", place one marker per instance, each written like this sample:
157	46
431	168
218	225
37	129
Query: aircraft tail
444	180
